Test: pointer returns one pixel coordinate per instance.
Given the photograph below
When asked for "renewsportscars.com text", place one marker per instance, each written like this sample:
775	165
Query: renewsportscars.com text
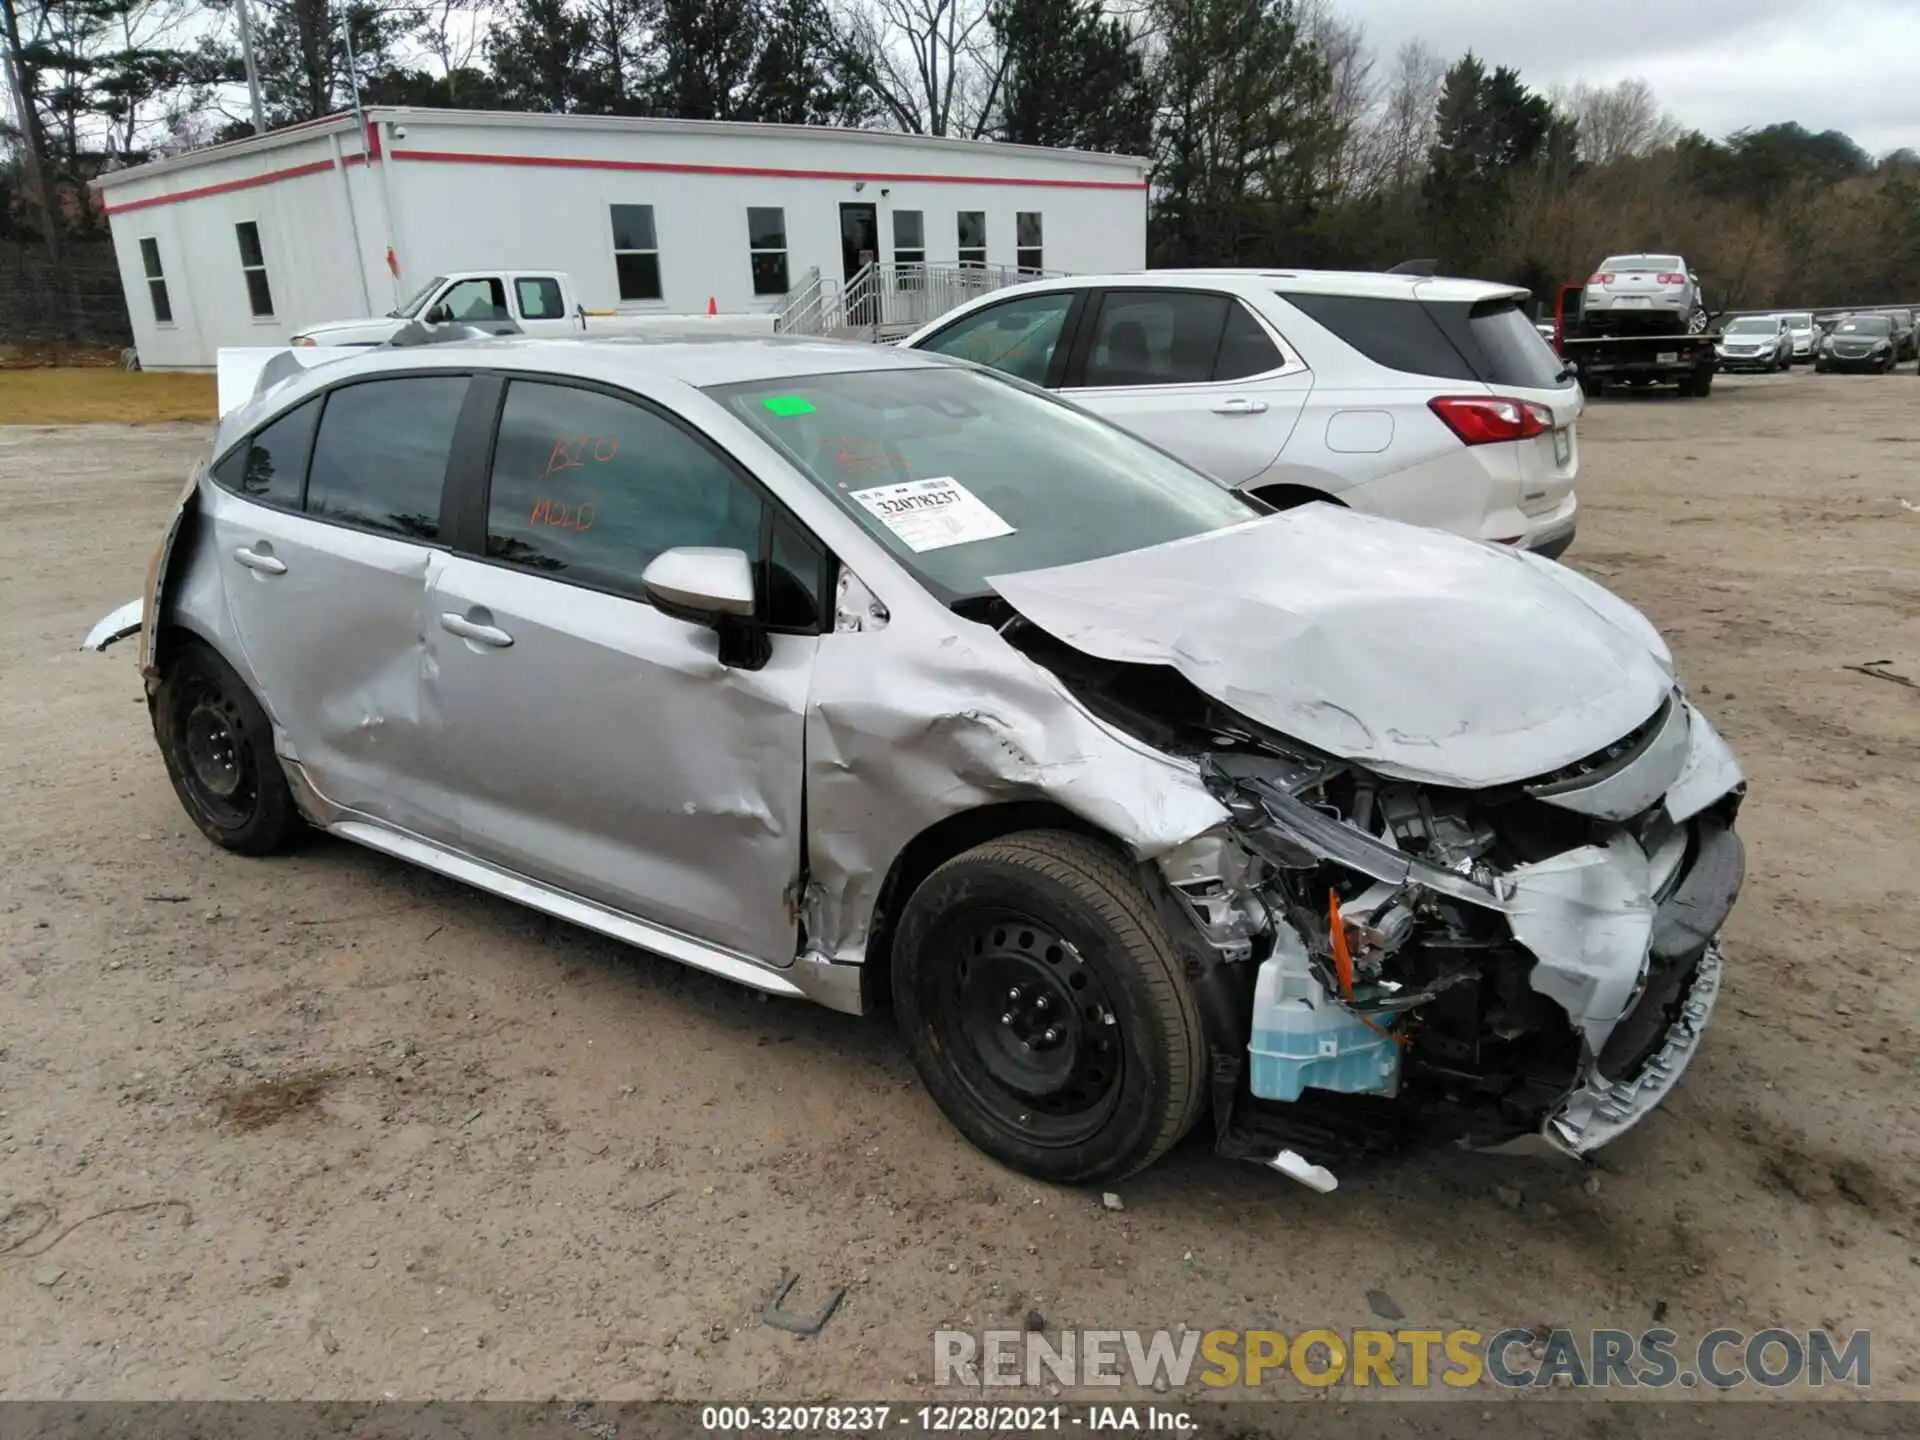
1514	1358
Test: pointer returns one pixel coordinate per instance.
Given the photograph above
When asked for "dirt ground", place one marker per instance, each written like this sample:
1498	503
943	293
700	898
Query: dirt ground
66	395
331	1127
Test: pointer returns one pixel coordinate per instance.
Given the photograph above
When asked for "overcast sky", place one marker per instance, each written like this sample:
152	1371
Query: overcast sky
1717	65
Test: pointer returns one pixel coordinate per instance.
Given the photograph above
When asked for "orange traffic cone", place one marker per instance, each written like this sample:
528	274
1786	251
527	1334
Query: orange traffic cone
712	308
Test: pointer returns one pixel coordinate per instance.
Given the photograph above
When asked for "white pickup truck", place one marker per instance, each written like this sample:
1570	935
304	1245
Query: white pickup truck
534	302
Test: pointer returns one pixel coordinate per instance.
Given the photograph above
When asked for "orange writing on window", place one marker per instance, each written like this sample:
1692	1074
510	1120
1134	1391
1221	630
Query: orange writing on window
562	515
570	452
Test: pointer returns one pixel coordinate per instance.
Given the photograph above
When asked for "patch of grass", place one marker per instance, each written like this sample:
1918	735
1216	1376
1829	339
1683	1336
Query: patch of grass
71	396
265	1102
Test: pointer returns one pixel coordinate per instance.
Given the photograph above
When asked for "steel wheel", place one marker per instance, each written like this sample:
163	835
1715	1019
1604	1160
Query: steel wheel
1046	1008
218	745
1034	1025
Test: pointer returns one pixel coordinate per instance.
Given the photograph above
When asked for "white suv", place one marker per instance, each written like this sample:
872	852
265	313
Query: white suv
1428	400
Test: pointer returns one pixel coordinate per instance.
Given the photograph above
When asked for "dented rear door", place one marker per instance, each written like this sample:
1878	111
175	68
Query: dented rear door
326	524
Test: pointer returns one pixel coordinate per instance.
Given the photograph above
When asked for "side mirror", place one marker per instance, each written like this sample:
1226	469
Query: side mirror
438	314
712	587
701	584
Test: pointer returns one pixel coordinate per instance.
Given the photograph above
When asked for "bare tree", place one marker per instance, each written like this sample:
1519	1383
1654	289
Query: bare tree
933	65
1352	165
1405	128
1617	121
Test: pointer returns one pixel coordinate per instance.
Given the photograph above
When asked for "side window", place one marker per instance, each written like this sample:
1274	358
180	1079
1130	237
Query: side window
1156	337
253	268
970	230
1245	349
636	252
767	248
909	237
589	488
1018	337
156	280
1398	334
381	454
539	297
271	466
479	299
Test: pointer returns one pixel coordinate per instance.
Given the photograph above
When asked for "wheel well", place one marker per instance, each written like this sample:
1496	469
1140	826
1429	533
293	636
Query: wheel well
1284	496
931	849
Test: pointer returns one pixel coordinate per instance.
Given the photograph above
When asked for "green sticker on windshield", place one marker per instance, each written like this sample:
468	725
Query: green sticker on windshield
788	405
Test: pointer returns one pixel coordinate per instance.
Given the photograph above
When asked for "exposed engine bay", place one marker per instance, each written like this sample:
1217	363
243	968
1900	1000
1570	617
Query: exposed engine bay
1391	961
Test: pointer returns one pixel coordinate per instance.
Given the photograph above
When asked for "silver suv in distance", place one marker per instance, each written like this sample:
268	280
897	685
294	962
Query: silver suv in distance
853	674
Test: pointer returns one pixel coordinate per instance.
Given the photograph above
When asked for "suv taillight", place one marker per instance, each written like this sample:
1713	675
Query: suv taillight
1603	278
1673	279
1491	419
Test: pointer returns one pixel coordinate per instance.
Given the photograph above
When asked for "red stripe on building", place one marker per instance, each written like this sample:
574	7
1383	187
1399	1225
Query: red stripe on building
251	182
568	162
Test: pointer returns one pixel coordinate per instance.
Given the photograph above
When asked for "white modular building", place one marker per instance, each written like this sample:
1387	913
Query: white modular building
247	243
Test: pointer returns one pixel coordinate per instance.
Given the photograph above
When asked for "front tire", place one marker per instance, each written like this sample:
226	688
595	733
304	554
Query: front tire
218	747
1046	1010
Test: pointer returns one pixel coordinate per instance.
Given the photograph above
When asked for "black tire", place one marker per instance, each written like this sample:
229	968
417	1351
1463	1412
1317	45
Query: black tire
1049	924
1697	385
218	746
1595	387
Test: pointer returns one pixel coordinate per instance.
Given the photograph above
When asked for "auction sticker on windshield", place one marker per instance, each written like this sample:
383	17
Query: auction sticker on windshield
932	514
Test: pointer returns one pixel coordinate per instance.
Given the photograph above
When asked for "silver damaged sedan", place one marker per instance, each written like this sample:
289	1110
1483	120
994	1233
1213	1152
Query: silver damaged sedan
875	678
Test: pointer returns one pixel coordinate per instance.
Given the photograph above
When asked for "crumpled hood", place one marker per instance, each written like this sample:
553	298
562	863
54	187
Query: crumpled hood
1421	654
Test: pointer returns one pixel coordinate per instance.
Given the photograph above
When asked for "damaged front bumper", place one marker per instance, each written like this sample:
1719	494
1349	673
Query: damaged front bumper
1442	936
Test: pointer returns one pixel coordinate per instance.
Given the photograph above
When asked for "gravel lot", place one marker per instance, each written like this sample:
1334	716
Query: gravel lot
328	1126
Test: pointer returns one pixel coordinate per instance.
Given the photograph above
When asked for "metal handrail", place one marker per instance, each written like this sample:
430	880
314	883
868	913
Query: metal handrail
801	306
893	298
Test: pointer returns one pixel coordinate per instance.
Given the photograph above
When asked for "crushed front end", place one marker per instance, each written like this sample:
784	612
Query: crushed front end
1385	961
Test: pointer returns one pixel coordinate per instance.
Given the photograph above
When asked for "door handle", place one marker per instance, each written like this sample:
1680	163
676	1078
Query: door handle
1240	406
473	630
267	564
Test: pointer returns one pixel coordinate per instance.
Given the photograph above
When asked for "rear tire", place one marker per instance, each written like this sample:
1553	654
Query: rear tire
1046	1009
218	746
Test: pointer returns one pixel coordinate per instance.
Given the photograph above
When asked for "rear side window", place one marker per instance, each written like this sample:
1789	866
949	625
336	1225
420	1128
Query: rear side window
1245	349
271	467
1500	344
1398	334
381	454
1156	337
539	297
589	488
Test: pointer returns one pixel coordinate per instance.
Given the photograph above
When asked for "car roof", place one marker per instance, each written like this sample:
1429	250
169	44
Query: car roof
627	361
689	361
1371	283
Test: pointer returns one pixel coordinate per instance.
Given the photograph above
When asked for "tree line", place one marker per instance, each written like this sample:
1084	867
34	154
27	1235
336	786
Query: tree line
1278	134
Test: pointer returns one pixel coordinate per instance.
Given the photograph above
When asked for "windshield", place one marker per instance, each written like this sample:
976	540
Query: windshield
418	298
962	475
1799	322
1865	325
1754	326
1632	263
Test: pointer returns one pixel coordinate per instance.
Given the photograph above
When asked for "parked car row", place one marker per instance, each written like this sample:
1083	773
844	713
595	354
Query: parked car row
860	672
1862	340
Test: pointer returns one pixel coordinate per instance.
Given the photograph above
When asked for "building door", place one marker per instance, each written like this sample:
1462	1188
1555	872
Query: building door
859	238
860	247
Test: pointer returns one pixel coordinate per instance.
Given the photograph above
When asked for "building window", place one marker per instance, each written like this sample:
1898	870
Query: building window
1027	237
909	238
636	252
156	280
767	248
253	264
973	238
